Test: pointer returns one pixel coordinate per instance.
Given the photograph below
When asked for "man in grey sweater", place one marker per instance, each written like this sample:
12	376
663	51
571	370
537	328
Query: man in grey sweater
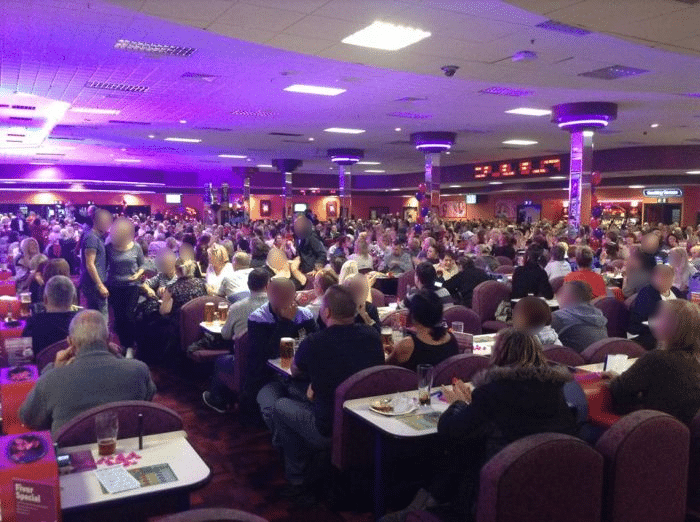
84	375
577	322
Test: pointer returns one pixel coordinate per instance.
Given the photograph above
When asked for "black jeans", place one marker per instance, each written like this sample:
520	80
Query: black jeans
123	300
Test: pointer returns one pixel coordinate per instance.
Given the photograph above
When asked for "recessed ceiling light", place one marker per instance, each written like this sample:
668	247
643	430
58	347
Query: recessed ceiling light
151	136
654	125
375	171
495	183
264	166
341	130
311	139
558	177
233	156
693	172
183	121
520	142
314	89
398	129
91	110
123	149
636	186
127	160
448	153
185	140
369	163
386	36
454	186
529	111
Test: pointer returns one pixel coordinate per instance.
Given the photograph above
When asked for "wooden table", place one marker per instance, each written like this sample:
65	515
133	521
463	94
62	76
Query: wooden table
82	491
389	428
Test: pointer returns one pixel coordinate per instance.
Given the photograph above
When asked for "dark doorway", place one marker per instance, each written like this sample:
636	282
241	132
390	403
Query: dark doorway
666	213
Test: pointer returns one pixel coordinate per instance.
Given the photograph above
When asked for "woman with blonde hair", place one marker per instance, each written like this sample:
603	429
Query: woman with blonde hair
361	253
28	248
219	268
668	378
683	269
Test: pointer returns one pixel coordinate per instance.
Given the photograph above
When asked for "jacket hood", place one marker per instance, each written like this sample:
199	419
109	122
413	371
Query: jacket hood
585	313
550	374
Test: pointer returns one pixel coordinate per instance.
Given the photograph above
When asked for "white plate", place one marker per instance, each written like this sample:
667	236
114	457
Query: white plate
392	413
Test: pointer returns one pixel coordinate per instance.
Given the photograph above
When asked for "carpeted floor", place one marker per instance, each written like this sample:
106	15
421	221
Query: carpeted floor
247	471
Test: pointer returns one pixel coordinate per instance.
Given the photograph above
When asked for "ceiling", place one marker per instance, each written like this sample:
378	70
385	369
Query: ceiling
246	52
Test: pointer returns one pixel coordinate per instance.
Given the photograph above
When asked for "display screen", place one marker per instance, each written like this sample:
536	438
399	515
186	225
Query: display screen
300	207
471	199
173	199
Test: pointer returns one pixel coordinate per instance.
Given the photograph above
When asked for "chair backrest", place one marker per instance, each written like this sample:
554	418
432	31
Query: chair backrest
389	319
503	260
352	441
48	354
548	476
616	313
505	269
486	298
241	351
563	355
646	468
599	351
404	281
9	305
156	419
213	515
191	314
463	366
378	297
472	322
694	468
629	302
557	283
618	263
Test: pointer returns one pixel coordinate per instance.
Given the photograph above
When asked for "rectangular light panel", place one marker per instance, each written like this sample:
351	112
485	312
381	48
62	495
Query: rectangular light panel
232	156
314	89
184	140
520	142
341	130
386	36
529	111
90	110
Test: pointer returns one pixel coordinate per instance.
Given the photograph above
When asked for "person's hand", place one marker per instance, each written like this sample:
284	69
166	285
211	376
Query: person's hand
310	393
161	291
104	293
608	375
289	312
459	391
151	294
295	263
211	290
134	277
64	357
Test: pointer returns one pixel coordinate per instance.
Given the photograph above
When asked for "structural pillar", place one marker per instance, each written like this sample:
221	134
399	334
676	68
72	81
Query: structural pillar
345	158
246	198
432	144
286	167
432	177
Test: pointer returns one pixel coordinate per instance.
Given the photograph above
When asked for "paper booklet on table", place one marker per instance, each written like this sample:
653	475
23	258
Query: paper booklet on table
618	363
18	350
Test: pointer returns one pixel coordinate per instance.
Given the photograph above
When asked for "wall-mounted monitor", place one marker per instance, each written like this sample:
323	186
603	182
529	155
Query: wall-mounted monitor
300	207
173	199
471	199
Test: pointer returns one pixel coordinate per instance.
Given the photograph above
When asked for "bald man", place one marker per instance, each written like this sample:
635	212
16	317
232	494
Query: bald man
312	254
279	317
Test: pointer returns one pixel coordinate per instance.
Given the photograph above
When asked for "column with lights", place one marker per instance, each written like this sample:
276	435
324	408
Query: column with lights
581	119
286	167
432	144
345	158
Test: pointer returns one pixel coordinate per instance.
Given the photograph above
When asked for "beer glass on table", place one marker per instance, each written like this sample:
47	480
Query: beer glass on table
457	327
209	309
286	352
223	312
106	430
25	302
425	383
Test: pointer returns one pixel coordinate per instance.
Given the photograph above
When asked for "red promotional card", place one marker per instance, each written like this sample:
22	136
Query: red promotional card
15	384
35	501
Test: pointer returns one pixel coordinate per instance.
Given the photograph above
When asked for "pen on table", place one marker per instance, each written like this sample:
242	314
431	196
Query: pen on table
140	417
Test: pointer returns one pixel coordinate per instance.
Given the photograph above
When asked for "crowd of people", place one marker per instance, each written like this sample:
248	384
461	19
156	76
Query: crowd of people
312	281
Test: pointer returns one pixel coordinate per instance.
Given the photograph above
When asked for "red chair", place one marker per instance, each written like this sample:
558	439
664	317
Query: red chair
5	275
646	468
616	313
599	351
212	515
352	440
485	300
191	314
557	283
48	354
471	321
156	419
504	269
378	298
463	366
563	355
503	260
694	469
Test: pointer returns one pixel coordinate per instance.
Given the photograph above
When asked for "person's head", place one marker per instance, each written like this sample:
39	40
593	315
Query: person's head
672	240
88	329
574	293
650	243
558	253
432	253
218	256
29	247
102	220
338	306
122	232
531	313
241	261
425	309
302	226
675	326
678	258
466	263
662	278
280	293
37	263
584	257
258	280
185	268
448	260
59	294
325	278
397	248
165	261
517	348
54	267
532	255
277	259
425	275
695	252
348	270
358	286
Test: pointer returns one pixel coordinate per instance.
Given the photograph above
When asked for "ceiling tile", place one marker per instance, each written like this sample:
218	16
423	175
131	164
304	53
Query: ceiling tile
204	11
258	17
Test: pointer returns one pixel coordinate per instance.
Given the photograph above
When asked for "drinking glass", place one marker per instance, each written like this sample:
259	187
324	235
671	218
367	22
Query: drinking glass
425	383
106	430
396	329
286	352
223	312
387	337
457	326
25	301
209	309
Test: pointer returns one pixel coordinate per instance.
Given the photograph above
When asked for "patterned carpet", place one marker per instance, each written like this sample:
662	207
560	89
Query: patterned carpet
247	471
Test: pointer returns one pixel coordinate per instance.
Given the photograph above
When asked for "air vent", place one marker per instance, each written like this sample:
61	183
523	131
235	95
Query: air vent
214	129
129	122
65	138
693	140
17	118
506	91
296	141
614	72
410	115
123	87
17	135
608	131
553	25
692	94
199	76
254	113
56	154
399	142
289	134
689	2
23	107
410	99
153	48
474	131
633	143
208	161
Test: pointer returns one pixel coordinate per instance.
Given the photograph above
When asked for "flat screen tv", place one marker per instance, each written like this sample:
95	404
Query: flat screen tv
173	199
300	207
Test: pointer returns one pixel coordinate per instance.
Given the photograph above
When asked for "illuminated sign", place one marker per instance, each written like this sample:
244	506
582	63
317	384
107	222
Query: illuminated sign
471	199
529	167
663	193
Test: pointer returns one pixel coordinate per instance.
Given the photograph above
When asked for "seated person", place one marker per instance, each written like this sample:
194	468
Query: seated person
578	323
85	375
367	313
462	285
235	286
51	326
447	268
279	266
182	291
218	397
530	278
326	358
533	315
52	267
397	261
432	343
324	279
584	260
647	301
638	268
557	266
166	276
426	278
665	379
219	268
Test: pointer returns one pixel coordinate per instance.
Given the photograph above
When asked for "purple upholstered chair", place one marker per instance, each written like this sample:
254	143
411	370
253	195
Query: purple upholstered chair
599	351
389	319
212	515
503	260
485	300
156	419
616	313
48	354
629	302
191	314
378	298
646	468
563	355
472	322
504	269
694	469
352	441
557	283
404	281
241	351
463	366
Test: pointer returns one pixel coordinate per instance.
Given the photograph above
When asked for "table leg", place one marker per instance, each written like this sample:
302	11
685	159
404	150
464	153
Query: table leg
379	476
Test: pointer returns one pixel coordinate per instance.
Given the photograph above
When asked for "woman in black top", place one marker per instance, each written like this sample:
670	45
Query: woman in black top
431	343
531	277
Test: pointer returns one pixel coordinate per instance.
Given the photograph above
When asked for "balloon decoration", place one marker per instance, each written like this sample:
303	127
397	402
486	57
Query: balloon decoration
417	228
595	178
422	188
597	211
419	196
424	212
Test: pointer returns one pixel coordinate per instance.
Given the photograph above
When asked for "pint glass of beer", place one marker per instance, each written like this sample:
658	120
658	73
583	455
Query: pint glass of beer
286	352
25	301
223	312
106	430
209	309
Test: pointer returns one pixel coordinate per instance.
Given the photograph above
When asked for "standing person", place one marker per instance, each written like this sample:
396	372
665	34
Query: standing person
93	264
125	266
310	249
683	269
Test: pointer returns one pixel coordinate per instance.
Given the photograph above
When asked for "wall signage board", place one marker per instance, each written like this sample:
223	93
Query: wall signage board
663	193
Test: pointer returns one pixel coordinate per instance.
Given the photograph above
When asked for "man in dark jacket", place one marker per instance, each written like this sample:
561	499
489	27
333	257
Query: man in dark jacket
310	249
648	299
531	277
51	326
462	285
577	322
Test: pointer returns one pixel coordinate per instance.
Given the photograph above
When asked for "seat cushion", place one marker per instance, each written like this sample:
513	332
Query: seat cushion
493	326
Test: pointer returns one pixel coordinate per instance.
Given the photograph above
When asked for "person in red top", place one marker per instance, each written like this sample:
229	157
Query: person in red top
584	259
